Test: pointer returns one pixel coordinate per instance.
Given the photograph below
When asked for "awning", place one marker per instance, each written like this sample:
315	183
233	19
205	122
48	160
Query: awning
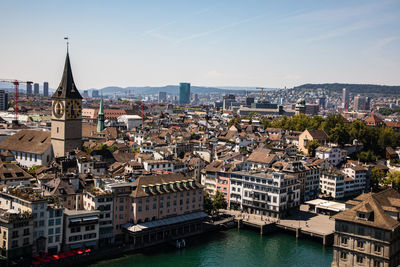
91	218
163	222
75	246
74	220
90	244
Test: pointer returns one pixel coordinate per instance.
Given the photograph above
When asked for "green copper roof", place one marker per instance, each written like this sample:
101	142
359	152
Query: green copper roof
67	88
101	108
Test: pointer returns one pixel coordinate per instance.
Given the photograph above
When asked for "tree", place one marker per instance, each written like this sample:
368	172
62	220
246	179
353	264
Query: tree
376	178
207	203
266	123
393	178
340	135
219	201
312	146
234	121
366	157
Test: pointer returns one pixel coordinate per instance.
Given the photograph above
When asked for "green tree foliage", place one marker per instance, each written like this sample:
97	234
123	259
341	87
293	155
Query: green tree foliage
298	122
213	204
367	156
375	139
312	146
233	121
377	177
219	201
207	203
389	111
393	178
266	123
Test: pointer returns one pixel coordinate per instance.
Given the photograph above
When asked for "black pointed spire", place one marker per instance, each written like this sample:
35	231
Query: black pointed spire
67	88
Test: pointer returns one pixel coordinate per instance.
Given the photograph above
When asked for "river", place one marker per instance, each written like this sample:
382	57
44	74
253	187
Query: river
232	248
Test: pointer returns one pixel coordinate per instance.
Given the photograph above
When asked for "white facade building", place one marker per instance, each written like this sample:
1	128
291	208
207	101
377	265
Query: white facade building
271	194
334	155
130	121
332	184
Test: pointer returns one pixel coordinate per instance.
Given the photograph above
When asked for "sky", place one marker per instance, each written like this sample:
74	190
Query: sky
207	43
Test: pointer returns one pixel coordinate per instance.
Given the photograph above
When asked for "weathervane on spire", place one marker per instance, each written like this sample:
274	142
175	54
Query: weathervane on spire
67	38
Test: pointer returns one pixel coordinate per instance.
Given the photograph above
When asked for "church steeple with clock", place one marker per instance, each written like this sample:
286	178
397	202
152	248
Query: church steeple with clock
66	119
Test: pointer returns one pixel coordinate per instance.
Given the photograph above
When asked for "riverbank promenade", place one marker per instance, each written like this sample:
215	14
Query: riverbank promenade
302	222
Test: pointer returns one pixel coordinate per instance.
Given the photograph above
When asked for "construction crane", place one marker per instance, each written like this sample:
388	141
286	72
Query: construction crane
16	90
262	92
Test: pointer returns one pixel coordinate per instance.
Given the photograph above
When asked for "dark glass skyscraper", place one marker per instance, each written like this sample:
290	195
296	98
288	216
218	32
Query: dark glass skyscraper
184	93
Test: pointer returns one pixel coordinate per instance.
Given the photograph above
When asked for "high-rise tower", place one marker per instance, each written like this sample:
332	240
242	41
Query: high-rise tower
184	93
100	117
345	99
66	119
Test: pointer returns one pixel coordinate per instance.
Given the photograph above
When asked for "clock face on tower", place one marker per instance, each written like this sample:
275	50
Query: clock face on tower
58	108
73	109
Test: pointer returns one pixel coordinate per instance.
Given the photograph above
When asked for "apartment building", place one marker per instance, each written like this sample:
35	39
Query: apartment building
81	229
332	184
356	180
271	194
367	233
15	236
47	216
333	155
102	200
313	174
162	196
122	207
165	165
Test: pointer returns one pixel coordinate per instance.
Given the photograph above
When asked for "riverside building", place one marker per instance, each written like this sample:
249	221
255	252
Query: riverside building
368	232
271	194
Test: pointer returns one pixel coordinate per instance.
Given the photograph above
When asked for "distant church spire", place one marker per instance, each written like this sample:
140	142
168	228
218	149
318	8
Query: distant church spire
100	117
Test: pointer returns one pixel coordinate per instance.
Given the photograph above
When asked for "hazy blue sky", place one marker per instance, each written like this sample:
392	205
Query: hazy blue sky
212	43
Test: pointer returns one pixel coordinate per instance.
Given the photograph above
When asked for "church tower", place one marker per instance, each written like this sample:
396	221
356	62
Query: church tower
66	118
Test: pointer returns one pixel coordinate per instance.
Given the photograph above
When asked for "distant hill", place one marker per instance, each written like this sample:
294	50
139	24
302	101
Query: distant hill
354	88
169	89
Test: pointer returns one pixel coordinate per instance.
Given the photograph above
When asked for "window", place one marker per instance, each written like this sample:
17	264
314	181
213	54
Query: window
360	244
51	222
58	230
14	244
378	234
26	241
89	227
51	231
26	231
360	259
343	255
57	238
361	230
50	239
14	234
344	240
58	221
377	249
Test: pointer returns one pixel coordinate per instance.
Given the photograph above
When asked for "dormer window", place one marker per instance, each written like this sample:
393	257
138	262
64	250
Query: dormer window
366	216
361	215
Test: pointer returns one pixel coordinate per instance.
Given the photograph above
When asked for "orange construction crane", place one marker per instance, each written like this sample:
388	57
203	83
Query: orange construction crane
16	89
262	93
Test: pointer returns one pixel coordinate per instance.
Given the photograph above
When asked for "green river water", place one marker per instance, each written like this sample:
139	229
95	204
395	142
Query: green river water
232	248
